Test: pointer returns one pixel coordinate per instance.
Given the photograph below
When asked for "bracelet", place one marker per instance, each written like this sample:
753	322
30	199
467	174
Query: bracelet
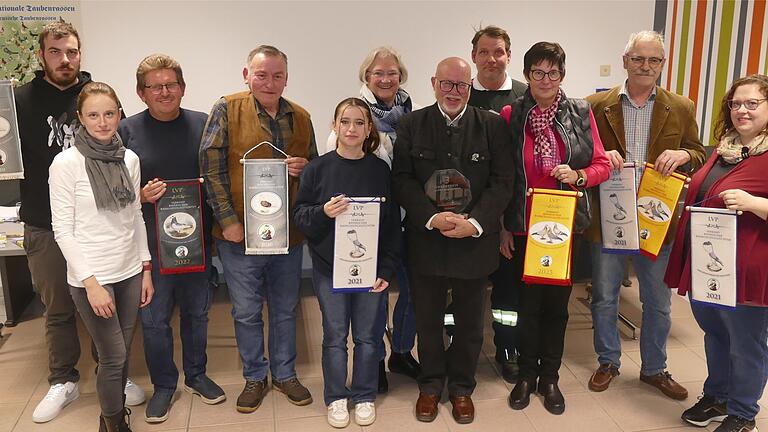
147	267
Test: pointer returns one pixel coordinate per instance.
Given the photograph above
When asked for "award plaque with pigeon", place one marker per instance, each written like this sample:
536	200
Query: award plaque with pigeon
713	255
618	212
657	198
179	216
356	245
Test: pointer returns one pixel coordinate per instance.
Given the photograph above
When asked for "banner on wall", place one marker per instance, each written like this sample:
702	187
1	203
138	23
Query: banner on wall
550	237
20	26
11	165
657	199
713	256
618	212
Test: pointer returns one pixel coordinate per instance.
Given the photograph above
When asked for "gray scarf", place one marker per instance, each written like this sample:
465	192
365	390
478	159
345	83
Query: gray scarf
105	165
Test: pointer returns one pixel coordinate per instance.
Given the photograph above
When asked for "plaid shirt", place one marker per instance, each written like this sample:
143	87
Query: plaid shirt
637	128
214	152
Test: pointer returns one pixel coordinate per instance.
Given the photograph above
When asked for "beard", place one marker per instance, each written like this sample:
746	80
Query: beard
63	77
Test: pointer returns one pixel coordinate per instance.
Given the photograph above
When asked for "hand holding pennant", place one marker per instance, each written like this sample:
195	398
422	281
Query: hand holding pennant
657	199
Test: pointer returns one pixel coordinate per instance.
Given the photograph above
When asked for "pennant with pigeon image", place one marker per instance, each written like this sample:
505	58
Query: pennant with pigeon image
179	216
550	237
356	245
618	212
657	199
713	256
11	165
265	194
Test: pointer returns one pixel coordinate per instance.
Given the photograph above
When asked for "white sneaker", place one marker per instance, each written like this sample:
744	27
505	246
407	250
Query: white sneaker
365	413
338	416
59	396
134	395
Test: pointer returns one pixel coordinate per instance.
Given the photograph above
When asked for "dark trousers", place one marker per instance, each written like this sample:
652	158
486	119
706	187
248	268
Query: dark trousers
543	319
49	272
505	306
191	291
458	363
113	337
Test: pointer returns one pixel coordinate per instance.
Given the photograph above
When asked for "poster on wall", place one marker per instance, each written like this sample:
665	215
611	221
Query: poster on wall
20	26
11	166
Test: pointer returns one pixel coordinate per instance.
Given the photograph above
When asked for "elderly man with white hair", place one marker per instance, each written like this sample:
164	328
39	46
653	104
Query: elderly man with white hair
639	121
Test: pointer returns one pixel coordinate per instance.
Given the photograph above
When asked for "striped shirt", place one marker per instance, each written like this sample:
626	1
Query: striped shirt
214	150
637	128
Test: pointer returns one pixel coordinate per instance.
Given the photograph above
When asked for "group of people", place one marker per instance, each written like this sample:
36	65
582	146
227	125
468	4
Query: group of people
92	176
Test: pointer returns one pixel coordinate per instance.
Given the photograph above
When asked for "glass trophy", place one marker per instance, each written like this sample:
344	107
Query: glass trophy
449	190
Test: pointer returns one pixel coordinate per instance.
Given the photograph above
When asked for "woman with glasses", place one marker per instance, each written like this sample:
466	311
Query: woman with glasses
97	222
382	74
556	146
734	339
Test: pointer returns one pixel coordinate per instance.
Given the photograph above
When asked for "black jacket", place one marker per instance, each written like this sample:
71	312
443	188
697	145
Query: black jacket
47	119
572	121
479	149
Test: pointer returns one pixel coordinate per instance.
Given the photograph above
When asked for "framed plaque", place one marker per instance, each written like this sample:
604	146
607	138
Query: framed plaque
179	219
265	189
449	190
11	165
713	256
618	212
356	246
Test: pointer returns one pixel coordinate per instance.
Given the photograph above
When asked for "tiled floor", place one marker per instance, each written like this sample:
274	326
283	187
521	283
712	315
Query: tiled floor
627	406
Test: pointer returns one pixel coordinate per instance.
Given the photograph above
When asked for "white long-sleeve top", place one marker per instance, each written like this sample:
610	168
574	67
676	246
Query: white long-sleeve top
108	245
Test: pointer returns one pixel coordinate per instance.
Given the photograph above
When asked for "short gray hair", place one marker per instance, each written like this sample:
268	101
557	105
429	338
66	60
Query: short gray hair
644	36
268	51
383	51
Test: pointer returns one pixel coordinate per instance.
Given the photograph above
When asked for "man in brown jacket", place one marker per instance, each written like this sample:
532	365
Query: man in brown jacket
639	121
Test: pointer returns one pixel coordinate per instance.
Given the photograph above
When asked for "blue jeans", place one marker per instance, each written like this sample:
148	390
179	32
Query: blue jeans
339	311
737	355
252	280
191	291
403	320
607	274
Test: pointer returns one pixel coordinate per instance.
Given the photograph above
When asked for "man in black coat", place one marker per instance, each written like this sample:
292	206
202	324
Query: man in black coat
454	244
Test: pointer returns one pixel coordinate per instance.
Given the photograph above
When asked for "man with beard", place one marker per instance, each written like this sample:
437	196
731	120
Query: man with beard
47	116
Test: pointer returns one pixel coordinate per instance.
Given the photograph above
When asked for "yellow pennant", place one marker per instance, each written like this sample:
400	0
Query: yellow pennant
657	199
550	237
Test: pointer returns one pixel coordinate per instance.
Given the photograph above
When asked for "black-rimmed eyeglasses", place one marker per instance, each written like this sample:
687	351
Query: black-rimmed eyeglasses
448	86
553	75
158	88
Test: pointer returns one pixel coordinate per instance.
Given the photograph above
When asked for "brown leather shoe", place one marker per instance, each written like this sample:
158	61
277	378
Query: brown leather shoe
463	409
602	377
426	407
664	382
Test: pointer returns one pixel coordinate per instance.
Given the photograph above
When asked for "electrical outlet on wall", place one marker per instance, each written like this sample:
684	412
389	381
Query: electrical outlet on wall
605	70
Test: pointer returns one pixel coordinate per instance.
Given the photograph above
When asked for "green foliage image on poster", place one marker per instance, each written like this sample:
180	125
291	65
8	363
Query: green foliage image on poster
18	57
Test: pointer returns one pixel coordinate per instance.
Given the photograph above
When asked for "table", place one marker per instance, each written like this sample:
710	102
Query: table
14	275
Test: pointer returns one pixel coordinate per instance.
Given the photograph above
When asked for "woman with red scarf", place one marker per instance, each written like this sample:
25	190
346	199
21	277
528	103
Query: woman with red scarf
734	339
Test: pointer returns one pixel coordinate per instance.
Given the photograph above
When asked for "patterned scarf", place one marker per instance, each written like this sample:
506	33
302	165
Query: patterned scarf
731	148
107	173
545	152
387	118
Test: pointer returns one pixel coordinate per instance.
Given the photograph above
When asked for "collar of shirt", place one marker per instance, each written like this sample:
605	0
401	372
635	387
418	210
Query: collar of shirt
282	109
506	86
624	93
448	121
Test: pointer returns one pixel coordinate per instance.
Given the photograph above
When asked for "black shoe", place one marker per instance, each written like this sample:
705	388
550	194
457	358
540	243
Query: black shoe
734	423
706	410
509	368
554	401
158	407
404	363
520	396
383	383
209	392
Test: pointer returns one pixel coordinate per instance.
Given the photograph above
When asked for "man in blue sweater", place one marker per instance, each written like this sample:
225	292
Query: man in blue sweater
167	140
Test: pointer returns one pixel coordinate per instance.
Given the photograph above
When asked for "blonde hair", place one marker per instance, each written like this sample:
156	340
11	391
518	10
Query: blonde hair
156	62
382	52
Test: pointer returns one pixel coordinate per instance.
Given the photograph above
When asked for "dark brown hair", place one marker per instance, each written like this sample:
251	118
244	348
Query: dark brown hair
492	32
371	142
724	124
57	29
550	52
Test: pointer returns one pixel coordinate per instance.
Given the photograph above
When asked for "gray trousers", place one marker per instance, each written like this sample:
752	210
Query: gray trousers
112	337
49	272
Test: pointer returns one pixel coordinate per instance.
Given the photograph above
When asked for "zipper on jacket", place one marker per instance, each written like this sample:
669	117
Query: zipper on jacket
525	175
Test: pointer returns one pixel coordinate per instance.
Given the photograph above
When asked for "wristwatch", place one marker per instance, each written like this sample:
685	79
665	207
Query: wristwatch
580	180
